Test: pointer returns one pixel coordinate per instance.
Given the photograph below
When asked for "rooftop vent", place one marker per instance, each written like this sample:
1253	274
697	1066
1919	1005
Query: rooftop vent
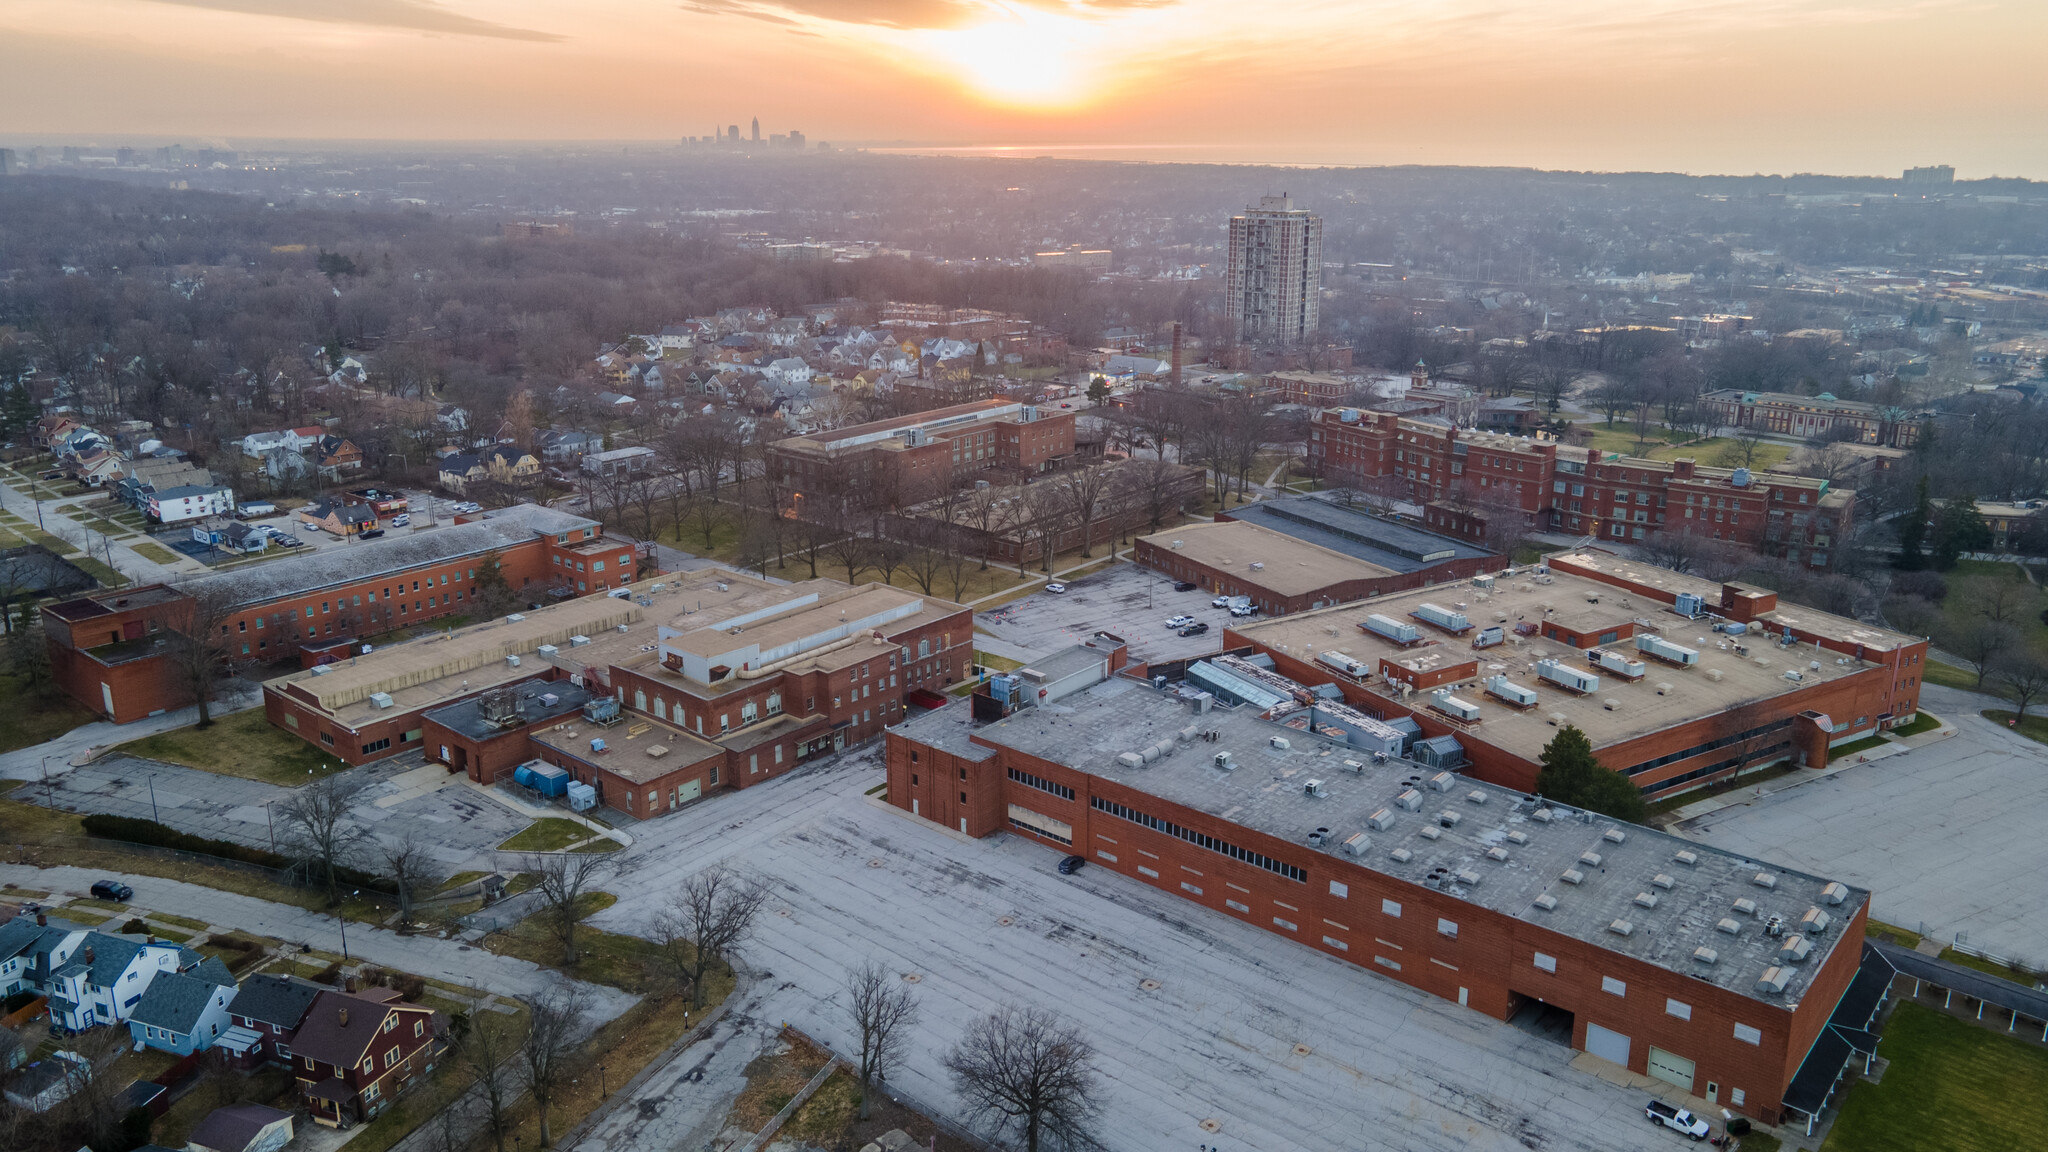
1794	949
656	751
1835	892
1518	837
1280	742
1614	836
1705	955
514	618
1380	821
1687	857
1660	880
321	669
1774	980
1431	832
1476	796
1448	818
1573	876
1497	853
1746	906
1815	922
1314	788
1356	843
1765	880
1133	760
1468	878
1316	838
1546	902
381	699
1621	928
1542	815
1646	899
578	641
1442	781
547	650
1729	925
1590	859
1401	855
1222	760
512	661
1411	800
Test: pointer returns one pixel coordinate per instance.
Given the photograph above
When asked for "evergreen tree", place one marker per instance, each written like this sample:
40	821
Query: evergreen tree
1913	530
1572	776
489	594
1958	528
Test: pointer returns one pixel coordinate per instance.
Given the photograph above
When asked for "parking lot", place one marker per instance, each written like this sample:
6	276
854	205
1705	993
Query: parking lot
1128	600
1196	1018
402	802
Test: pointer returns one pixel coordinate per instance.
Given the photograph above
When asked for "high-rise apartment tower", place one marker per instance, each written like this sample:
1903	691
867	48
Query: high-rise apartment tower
1273	289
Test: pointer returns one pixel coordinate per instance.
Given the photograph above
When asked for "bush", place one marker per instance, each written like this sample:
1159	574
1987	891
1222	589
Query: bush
18	1000
1926	585
135	926
330	975
136	831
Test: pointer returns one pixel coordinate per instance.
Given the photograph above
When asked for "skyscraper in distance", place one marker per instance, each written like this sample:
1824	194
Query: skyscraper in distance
757	129
1274	281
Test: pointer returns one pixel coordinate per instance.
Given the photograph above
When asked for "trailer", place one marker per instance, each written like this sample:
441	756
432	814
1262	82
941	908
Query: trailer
1490	637
1504	689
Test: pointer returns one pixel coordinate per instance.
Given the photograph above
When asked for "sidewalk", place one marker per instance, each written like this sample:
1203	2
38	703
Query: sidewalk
88	740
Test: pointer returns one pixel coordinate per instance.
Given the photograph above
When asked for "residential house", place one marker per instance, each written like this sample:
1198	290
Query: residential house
258	443
514	466
452	419
190	502
461	470
239	537
680	337
790	370
184	1012
615	402
620	462
51	430
49	1082
649	378
263	1016
336	455
18	955
567	445
281	465
241	1128
93	978
356	1052
339	518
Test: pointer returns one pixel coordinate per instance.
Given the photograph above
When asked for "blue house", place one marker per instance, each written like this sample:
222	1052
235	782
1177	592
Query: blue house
184	1012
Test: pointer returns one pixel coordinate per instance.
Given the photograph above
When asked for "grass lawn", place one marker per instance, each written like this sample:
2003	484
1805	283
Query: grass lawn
108	577
244	744
626	962
999	663
2034	727
152	551
1855	746
26	719
1666	445
1921	722
1950	676
1991	967
1903	937
549	834
1952	1087
827	1114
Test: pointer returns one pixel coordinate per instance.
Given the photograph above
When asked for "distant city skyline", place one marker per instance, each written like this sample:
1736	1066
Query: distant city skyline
1775	86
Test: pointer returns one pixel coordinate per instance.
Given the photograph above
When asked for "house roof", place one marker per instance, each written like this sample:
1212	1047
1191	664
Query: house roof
231	1129
461	463
175	1001
185	490
279	1000
340	1027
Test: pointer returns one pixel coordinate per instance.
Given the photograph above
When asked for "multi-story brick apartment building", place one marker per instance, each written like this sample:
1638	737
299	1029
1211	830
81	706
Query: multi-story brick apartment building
1822	416
110	650
697	682
1583	491
911	457
1707	970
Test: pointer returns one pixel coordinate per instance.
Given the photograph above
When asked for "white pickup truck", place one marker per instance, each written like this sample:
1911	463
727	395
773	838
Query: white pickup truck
1677	1118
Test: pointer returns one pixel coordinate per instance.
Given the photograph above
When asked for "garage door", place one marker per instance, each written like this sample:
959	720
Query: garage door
1673	1070
1607	1044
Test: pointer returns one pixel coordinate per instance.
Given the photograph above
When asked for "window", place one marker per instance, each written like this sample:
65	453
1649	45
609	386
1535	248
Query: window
1748	1035
1678	1008
1043	785
1612	986
1735	1097
377	745
327	738
1546	963
1339	888
419	1028
1383	962
1447	928
1212	843
1390	908
1287	924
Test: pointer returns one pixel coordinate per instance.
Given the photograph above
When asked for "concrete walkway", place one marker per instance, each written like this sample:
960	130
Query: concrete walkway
87	740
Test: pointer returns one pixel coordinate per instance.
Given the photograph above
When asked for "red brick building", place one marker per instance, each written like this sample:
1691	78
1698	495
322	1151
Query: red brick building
1709	971
355	1052
1581	491
910	457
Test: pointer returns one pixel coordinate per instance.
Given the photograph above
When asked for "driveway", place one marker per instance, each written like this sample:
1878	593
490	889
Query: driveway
1285	1049
1128	600
1947	835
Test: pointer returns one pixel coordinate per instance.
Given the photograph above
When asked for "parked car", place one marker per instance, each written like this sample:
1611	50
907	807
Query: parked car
307	526
1676	1118
1195	629
1055	588
1180	621
402	520
1220	602
111	890
372	534
287	541
1183	586
1071	865
1243	610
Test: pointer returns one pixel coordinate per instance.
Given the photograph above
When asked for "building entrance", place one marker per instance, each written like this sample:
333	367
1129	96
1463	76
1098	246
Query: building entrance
1540	1019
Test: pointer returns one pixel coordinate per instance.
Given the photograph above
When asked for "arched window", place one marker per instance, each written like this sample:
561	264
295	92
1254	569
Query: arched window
775	703
639	700
748	712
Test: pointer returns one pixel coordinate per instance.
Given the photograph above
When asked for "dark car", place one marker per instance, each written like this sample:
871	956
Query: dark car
1071	865
372	534
111	890
1195	629
1183	586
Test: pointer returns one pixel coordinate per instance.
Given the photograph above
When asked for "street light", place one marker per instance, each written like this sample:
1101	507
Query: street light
153	813
341	914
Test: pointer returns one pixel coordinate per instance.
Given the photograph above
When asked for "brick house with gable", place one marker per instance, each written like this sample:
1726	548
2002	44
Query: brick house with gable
356	1051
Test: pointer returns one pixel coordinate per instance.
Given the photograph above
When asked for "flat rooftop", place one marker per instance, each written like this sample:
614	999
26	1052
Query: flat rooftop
368	560
1386	544
636	749
539	702
1503	852
1287	565
938	421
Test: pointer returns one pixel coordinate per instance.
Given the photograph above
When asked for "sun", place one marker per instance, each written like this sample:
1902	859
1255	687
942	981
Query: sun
1023	58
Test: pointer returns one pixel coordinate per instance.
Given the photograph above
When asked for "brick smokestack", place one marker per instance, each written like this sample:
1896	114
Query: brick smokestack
1176	353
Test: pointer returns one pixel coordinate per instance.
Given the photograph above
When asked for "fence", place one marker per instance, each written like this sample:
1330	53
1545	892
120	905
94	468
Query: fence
2014	963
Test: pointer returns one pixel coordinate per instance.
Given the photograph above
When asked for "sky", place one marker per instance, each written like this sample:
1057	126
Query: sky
1710	86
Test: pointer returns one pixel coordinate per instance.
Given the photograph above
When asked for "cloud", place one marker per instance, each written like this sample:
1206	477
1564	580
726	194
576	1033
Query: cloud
904	13
421	15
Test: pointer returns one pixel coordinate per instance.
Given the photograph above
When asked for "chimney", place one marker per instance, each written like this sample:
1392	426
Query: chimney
1682	469
341	1017
88	953
1176	354
42	921
349	985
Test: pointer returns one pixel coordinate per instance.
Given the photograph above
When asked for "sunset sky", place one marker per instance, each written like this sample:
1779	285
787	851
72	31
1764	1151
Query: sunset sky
1857	86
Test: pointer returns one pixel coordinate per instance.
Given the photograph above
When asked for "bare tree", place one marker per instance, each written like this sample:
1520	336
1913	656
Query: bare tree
1742	448
318	824
714	910
486	1051
883	1009
554	1021
2025	678
560	881
1028	1068
200	644
985	511
1086	490
409	865
1981	643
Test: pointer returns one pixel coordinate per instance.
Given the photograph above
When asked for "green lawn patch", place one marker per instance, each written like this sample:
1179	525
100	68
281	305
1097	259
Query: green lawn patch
108	577
626	962
27	719
1952	1087
2034	727
548	834
1950	676
1903	937
999	663
244	744
156	552
1855	746
1991	967
1921	722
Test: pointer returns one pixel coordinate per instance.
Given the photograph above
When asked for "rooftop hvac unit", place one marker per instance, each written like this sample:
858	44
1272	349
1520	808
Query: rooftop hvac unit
1410	800
514	618
578	641
381	699
1690	605
1774	979
1618	664
547	650
597	744
1314	788
1815	922
1390	628
1342	663
1501	688
321	669
549	699
1565	676
1489	637
1258	565
1482	581
1443	781
1130	759
623	627
1451	705
512	661
1356	843
1441	617
1280	742
1835	892
1222	760
1380	820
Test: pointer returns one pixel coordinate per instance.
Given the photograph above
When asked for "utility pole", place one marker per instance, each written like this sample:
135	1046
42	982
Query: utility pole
153	814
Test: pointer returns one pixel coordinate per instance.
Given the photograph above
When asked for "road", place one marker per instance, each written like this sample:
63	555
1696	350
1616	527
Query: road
430	956
1286	1049
1947	835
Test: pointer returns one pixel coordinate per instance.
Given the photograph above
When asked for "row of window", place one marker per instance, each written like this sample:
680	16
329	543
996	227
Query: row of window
1038	782
1672	1007
1709	746
1201	839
